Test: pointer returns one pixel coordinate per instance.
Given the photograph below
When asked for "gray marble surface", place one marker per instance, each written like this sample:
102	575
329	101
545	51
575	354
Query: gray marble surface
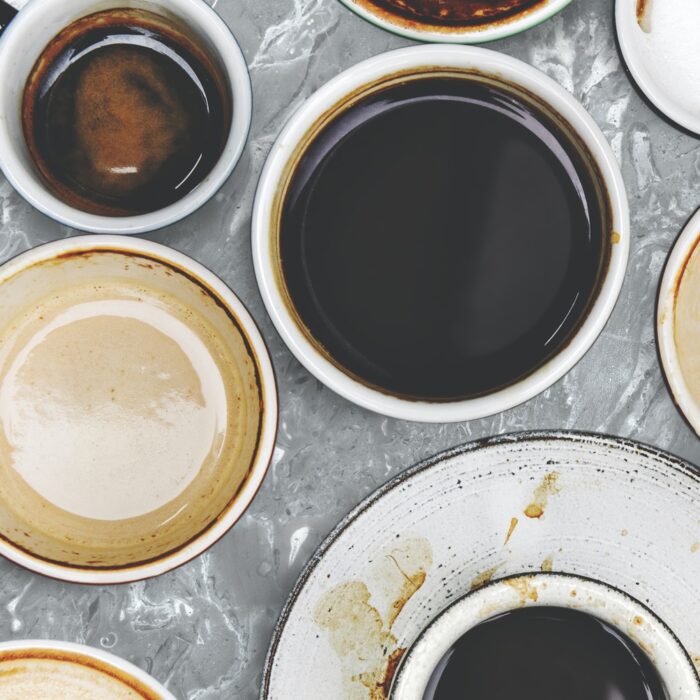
203	630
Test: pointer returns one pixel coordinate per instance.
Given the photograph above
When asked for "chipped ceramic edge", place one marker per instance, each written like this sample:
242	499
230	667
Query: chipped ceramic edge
580	438
268	428
628	26
468	35
378	68
666	320
122	666
560	590
47	17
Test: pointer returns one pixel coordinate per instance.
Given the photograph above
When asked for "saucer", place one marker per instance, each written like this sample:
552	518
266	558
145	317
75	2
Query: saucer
601	508
656	53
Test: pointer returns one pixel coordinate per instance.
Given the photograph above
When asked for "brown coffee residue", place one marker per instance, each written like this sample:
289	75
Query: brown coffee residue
511	530
453	14
548	487
526	591
547	565
359	633
483	578
644	15
695	547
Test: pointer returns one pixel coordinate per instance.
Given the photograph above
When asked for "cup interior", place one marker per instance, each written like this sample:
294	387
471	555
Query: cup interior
676	322
23	43
608	604
525	84
180	492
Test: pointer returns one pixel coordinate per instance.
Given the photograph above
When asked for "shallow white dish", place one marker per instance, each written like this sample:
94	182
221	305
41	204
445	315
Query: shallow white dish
657	67
596	507
458	35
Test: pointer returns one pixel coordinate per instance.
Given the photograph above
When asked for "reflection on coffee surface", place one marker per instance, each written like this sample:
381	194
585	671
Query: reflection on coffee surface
442	237
124	114
37	674
456	12
545	653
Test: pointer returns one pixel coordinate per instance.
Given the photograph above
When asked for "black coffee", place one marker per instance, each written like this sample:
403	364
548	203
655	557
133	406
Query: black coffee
123	114
442	238
545	654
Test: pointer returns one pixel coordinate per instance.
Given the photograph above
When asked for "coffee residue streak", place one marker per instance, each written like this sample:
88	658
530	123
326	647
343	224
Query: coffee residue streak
547	488
359	633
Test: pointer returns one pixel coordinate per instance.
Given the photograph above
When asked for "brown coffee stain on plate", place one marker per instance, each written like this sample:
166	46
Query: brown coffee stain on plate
526	591
547	565
483	578
644	15
360	630
548	487
511	530
695	547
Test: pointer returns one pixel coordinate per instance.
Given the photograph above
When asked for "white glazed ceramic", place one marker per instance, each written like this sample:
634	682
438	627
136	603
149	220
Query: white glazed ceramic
641	66
463	35
617	609
114	665
369	72
599	508
666	319
20	46
224	311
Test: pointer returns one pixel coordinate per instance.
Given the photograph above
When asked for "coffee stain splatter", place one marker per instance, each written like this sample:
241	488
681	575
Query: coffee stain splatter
525	590
547	488
695	547
359	633
483	578
644	15
511	530
696	661
624	533
615	237
401	574
547	564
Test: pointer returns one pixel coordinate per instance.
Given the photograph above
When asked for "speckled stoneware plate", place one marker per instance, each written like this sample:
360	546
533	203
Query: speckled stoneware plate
444	20
598	507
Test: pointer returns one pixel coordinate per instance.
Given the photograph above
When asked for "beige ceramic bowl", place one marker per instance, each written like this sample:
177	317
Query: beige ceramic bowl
137	425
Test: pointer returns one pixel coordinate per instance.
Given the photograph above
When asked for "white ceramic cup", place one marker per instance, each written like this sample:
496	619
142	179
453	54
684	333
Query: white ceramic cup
564	591
676	265
114	669
43	535
22	43
433	32
291	142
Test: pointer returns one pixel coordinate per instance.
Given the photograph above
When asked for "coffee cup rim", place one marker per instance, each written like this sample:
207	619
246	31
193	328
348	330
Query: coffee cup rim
120	665
29	184
383	66
460	34
563	590
684	247
268	427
